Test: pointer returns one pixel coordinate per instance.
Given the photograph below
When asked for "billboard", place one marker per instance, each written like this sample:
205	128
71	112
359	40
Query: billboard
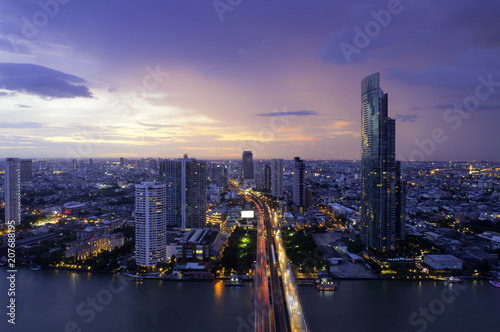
247	214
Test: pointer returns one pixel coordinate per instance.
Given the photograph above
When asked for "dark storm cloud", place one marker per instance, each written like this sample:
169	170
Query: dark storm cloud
41	81
289	113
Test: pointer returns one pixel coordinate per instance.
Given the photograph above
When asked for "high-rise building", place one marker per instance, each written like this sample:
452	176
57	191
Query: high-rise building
382	195
267	178
150	224
247	165
277	177
75	164
262	176
218	174
186	187
309	198
12	190
122	162
26	171
299	185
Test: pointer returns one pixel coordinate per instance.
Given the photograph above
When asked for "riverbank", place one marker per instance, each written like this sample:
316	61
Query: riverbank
300	281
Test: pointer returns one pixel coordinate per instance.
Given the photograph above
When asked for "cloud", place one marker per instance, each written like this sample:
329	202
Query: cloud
41	81
154	126
407	117
348	132
342	123
21	125
451	106
289	113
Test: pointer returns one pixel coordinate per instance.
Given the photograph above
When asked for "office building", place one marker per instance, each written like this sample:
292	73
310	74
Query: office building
12	190
247	165
218	174
299	186
186	192
277	177
262	176
382	200
26	171
150	224
267	178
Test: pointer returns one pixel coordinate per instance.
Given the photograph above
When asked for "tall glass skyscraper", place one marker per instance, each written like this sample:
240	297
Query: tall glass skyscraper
382	201
186	192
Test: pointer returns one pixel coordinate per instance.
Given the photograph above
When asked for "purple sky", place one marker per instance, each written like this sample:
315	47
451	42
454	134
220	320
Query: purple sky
82	79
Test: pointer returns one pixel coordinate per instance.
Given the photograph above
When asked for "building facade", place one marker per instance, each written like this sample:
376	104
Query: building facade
150	224
12	189
26	171
186	192
247	165
299	185
218	174
382	195
262	176
277	186
441	262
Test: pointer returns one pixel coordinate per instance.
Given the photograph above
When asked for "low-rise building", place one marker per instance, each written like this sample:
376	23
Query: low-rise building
440	262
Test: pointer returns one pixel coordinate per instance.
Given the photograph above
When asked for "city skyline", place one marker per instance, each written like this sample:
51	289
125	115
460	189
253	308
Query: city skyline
218	82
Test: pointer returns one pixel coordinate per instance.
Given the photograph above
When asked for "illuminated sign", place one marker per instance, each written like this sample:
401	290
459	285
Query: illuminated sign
247	214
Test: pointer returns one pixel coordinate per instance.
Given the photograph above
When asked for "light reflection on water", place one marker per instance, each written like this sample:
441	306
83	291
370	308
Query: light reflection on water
209	306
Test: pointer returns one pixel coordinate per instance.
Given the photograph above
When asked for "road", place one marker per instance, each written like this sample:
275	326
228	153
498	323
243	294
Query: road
262	321
290	317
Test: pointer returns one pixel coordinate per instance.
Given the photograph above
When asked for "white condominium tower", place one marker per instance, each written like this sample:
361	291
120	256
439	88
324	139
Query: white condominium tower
150	224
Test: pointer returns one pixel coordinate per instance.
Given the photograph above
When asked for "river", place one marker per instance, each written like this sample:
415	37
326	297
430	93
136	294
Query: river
52	300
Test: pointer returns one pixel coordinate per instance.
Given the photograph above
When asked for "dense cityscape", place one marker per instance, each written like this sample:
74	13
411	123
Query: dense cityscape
249	166
302	222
